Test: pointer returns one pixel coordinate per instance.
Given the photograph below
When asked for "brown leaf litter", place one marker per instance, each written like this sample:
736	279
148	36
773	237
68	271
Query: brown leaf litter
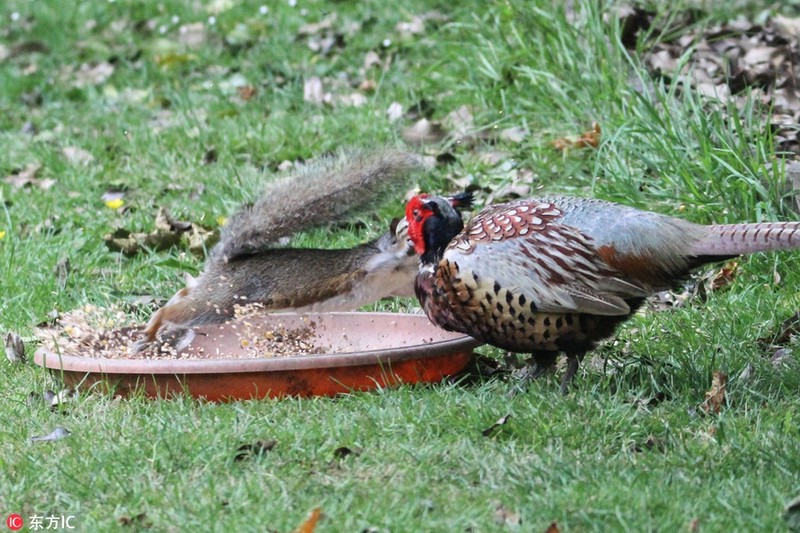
27	177
587	139
737	61
715	397
167	233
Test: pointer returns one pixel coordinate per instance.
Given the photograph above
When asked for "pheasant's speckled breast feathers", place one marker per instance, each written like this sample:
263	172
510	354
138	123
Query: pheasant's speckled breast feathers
560	274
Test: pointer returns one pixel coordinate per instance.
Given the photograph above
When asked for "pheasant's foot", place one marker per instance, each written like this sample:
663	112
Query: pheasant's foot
573	362
533	371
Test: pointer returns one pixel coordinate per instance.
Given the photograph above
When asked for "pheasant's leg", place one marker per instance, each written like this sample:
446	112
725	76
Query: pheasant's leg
535	370
573	362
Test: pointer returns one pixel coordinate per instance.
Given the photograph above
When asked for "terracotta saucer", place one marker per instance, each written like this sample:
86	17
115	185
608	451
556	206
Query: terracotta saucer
363	351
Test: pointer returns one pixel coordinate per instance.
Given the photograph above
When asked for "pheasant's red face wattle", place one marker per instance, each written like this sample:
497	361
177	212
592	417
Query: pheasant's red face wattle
416	215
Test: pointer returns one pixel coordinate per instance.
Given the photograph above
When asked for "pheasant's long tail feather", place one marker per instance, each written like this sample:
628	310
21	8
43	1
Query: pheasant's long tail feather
737	239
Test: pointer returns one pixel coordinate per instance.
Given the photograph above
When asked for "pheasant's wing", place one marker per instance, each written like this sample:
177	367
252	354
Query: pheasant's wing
523	248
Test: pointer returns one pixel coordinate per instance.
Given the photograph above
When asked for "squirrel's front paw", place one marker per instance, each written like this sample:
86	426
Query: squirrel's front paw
174	340
139	346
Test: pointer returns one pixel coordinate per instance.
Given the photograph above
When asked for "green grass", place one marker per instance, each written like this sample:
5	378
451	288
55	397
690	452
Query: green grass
607	457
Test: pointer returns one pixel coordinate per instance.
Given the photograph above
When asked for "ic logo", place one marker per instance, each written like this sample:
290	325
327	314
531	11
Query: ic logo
14	522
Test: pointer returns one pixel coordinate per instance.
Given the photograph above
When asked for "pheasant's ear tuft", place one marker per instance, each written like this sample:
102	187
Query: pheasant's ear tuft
462	200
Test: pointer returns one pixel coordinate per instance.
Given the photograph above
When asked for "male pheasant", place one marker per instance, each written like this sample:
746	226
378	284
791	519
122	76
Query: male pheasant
559	274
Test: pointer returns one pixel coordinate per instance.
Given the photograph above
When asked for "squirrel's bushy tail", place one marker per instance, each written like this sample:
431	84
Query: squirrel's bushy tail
321	191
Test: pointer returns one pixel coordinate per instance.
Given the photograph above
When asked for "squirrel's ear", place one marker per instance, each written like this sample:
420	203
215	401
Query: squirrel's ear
393	225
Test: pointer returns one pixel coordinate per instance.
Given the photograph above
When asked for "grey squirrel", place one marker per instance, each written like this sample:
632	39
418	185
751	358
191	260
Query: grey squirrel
248	266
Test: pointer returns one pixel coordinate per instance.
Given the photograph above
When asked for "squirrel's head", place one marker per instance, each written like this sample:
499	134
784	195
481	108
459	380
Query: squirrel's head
433	221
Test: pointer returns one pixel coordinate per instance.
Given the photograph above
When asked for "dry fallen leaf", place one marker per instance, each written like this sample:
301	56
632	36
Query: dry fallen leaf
314	28
165	222
140	521
246	92
310	523
415	26
508	193
588	139
93	74
167	233
424	132
650	443
199	239
493	157
367	86
343	451
505	516
27	177
715	397
724	276
372	59
57	434
112	195
254	449
460	121
15	348
192	35
789	328
395	112
62	398
781	357
313	91
500	422
515	134
791	515
77	156
352	100
742	62
552	528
